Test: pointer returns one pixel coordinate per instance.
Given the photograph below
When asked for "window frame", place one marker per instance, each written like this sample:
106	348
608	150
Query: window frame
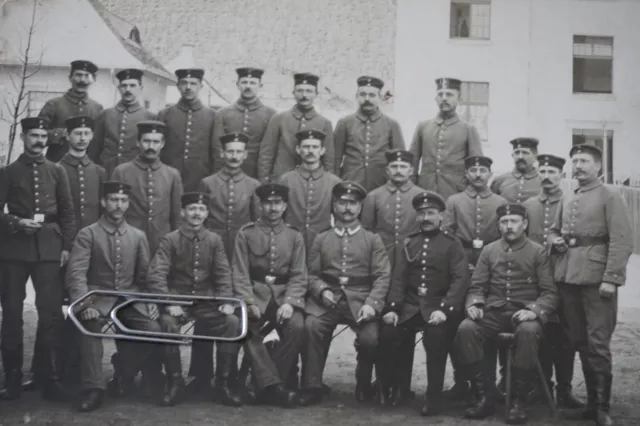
465	104
454	31
591	40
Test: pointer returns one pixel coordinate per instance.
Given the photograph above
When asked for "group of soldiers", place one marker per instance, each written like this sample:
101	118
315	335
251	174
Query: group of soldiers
311	227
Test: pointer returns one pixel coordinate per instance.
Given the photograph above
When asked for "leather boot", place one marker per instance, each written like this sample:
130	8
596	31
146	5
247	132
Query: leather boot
564	375
384	386
432	404
279	396
224	390
460	389
517	414
293	380
175	382
364	371
603	398
119	386
482	405
91	400
53	389
12	385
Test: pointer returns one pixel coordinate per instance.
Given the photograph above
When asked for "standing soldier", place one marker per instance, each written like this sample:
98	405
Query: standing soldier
38	230
361	139
523	182
593	234
115	140
247	115
270	275
278	153
428	287
349	275
75	102
440	145
191	146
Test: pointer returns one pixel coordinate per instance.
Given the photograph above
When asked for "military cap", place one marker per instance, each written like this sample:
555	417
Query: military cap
129	74
531	143
84	66
189	198
448	83
477	160
310	134
115	187
585	148
150	126
551	160
399	155
512	208
428	199
249	72
349	190
366	80
190	73
305	78
35	123
234	137
268	191
79	121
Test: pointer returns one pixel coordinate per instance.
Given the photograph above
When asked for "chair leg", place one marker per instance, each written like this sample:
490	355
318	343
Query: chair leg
545	388
509	381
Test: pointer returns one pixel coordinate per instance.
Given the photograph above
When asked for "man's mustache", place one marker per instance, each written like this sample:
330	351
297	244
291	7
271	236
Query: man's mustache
38	145
150	151
546	181
367	103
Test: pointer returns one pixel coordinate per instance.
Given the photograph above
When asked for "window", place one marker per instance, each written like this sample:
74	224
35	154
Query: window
470	19
592	64
37	99
597	137
474	107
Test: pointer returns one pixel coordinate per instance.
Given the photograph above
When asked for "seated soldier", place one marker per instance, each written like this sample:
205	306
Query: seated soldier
512	291
192	261
113	255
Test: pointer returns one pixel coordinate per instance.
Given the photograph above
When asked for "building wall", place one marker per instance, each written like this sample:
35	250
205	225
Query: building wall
529	64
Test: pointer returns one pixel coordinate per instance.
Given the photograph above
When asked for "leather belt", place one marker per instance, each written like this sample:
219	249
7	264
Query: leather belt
574	241
262	276
48	218
352	282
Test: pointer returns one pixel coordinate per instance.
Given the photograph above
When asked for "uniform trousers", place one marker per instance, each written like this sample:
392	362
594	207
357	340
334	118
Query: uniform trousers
318	331
557	352
472	335
590	321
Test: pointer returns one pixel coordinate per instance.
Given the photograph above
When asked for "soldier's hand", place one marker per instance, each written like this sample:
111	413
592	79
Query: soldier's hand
437	317
29	226
254	312
175	311
559	244
475	313
607	290
328	299
64	257
154	313
226	309
390	318
284	312
523	315
366	313
89	314
472	268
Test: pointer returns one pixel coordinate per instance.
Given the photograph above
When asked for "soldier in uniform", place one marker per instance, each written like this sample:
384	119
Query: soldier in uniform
191	145
112	255
471	216
38	230
523	182
278	153
247	115
75	102
270	275
115	140
512	290
440	145
156	188
191	260
349	273
592	233
361	139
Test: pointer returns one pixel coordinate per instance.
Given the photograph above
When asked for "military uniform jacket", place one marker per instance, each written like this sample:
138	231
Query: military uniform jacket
596	219
278	147
85	181
431	274
471	215
262	251
154	205
357	254
516	187
191	262
115	138
251	119
440	146
388	211
514	277
30	186
190	146
310	201
360	145
541	212
232	204
57	110
108	257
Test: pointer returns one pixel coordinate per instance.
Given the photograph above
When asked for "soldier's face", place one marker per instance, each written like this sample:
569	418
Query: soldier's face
310	151
234	154
195	214
399	172
130	90
305	95
523	158
81	80
368	98
249	87
429	218
512	227
115	205
273	208
150	145
35	140
585	167
550	176
447	99
478	176
80	138
347	210
189	88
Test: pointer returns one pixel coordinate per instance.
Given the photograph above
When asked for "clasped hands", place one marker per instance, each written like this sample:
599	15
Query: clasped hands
476	313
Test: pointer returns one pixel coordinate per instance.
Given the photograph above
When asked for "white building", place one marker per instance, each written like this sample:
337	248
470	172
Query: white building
560	70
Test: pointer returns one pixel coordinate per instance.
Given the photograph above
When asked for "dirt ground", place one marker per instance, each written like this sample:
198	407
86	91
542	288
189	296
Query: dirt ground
341	407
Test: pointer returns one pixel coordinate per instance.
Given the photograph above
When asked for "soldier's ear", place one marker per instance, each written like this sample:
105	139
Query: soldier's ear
182	215
103	202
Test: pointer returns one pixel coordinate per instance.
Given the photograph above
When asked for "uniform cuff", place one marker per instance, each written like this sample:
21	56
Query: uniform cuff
542	312
296	302
614	278
447	308
393	307
377	306
474	301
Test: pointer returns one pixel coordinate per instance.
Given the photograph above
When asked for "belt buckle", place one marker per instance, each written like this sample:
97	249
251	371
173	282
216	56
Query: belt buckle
343	280
478	243
572	242
270	279
38	218
422	291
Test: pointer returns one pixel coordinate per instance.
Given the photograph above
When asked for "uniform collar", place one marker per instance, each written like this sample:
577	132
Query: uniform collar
552	198
76	161
243	106
349	231
28	160
75	98
314	174
267	228
404	188
373	117
448	121
533	173
473	193
299	114
145	165
514	247
192	234
597	183
226	176
111	227
122	107
189	106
